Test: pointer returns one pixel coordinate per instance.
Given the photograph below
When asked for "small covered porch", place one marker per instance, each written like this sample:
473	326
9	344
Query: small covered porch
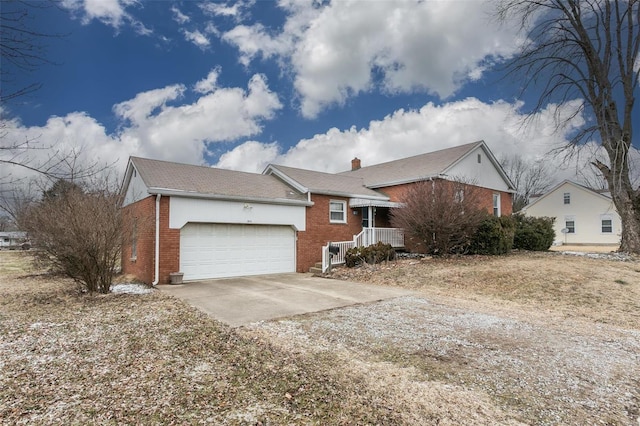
376	227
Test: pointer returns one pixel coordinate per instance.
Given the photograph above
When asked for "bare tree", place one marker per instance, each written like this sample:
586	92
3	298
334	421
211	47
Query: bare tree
440	215
79	232
588	49
22	46
529	177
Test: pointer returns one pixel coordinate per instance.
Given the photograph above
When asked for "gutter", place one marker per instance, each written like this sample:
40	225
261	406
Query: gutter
157	248
188	194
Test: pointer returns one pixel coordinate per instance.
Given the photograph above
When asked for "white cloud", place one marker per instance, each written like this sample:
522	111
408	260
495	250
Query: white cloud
413	132
254	40
138	109
251	156
110	12
178	16
208	84
236	10
197	38
335	49
152	128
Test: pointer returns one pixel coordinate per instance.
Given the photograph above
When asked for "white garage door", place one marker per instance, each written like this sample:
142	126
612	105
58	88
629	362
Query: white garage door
209	250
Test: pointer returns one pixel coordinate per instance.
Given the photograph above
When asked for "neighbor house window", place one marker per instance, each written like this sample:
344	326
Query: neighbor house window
606	224
479	158
570	225
496	204
567	198
337	212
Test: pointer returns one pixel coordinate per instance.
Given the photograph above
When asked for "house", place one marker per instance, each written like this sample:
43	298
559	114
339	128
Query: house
213	223
12	239
583	215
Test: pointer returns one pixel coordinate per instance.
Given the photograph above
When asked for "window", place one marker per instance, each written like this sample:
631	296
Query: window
570	225
567	198
496	204
134	241
479	158
606	224
337	212
458	197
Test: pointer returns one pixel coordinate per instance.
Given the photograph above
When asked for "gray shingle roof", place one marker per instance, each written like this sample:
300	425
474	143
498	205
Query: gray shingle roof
328	183
165	175
412	168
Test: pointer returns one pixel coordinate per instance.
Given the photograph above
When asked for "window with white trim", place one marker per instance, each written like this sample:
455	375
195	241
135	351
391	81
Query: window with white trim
496	205
337	211
567	198
570	225
606	224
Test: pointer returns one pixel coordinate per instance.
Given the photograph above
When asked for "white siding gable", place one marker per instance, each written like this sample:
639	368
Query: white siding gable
483	173
136	188
586	209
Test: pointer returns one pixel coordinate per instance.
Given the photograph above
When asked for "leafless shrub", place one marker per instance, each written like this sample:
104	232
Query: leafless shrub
79	231
440	215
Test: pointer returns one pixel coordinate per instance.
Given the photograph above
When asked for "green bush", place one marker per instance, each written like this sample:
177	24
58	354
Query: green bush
533	233
373	254
493	236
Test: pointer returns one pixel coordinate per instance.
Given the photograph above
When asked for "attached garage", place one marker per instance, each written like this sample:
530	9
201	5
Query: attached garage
216	250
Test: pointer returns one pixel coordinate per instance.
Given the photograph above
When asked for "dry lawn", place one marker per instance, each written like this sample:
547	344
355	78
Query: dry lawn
546	339
523	339
67	358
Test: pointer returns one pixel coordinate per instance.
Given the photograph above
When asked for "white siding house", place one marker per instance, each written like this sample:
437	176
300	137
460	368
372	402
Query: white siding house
583	216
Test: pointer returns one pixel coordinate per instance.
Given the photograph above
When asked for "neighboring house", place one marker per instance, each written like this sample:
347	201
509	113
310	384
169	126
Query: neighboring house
12	239
583	215
213	223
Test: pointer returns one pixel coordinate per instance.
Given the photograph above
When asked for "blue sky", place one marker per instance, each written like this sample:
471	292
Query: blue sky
303	83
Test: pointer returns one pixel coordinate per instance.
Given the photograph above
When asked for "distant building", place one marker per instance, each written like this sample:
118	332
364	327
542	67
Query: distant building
12	239
583	215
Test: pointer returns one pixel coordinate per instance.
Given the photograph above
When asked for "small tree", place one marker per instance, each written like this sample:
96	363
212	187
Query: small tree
442	216
79	233
529	177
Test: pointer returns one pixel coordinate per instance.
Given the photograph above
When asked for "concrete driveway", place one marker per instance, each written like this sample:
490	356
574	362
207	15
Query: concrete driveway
243	300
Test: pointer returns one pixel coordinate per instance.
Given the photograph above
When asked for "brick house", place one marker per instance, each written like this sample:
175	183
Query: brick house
213	223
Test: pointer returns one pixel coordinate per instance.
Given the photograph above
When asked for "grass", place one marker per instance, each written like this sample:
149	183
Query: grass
566	286
150	359
67	358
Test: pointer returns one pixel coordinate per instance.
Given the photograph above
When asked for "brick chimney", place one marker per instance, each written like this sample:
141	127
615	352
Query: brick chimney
355	164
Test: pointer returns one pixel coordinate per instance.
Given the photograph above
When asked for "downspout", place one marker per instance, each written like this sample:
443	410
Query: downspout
157	248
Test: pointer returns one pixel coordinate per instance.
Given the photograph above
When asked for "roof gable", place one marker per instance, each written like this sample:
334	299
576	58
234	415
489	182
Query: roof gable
423	166
166	177
553	190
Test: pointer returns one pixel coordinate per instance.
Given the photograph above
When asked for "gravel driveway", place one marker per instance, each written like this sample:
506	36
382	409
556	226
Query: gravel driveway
533	372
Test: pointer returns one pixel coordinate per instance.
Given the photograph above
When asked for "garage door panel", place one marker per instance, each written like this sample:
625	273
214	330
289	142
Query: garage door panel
227	250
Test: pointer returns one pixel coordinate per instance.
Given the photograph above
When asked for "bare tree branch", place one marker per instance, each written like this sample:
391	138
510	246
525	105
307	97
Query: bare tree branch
588	50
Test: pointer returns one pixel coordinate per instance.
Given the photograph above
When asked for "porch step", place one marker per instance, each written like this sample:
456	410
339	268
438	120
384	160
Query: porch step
316	269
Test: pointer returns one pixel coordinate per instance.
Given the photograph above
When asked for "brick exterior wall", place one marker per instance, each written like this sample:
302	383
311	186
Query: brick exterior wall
142	267
320	231
309	243
396	193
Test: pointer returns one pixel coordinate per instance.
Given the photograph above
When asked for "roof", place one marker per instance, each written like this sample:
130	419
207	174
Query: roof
164	176
596	192
324	183
414	168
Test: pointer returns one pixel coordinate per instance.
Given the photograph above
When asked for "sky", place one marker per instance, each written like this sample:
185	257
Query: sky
310	84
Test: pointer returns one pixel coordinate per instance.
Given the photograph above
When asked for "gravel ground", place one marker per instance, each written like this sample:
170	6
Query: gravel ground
539	375
538	338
